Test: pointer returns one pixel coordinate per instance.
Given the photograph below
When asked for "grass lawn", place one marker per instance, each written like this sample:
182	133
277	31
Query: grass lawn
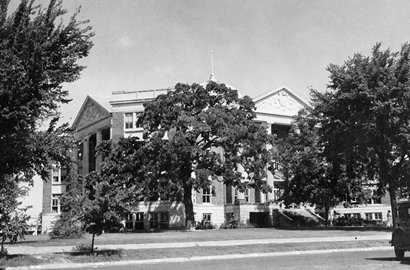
190	236
117	255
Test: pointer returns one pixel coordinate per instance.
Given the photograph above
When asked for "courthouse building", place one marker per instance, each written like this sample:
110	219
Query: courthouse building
102	118
115	117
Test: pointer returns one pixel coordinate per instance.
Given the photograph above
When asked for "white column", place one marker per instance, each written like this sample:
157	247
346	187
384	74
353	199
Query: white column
269	181
98	159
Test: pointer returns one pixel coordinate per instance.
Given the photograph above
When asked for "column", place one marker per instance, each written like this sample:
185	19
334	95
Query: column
99	157
86	155
269	181
262	196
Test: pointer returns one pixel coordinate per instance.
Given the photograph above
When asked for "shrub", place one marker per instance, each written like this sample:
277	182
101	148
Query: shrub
235	224
82	248
3	253
66	227
204	225
230	224
353	221
301	218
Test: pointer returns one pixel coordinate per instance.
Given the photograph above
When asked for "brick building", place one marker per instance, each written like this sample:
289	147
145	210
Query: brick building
102	118
114	117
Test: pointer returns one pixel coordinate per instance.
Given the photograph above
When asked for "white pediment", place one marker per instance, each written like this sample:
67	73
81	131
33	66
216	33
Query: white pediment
280	102
90	112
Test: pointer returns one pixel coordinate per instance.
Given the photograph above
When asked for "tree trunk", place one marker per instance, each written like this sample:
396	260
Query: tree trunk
393	201
189	208
92	243
3	239
326	215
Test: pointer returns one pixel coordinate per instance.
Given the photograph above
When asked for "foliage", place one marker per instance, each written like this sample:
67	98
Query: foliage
232	223
195	135
300	218
13	220
38	53
354	221
66	227
364	119
204	225
68	224
307	173
82	248
105	203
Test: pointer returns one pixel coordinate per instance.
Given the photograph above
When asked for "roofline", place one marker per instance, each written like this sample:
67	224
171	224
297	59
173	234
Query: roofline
77	118
121	92
283	87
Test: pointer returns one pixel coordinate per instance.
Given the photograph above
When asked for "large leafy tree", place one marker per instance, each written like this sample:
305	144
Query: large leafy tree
365	125
195	135
308	176
38	53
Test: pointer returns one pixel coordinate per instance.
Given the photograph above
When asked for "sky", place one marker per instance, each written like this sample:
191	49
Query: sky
258	45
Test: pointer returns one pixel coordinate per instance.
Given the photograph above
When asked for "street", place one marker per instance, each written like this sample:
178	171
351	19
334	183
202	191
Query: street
335	261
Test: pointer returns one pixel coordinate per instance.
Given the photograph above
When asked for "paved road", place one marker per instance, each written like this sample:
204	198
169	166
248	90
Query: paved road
372	260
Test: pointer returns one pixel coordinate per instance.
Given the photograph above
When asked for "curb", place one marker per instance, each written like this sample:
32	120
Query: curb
195	258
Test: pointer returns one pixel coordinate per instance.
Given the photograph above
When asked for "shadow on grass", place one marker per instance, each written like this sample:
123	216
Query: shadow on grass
337	228
104	253
18	260
390	259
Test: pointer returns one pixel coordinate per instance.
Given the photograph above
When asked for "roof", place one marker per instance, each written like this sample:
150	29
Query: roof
100	102
281	88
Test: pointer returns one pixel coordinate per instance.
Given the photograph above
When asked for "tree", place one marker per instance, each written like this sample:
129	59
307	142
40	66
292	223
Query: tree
365	119
194	135
13	220
307	173
109	193
68	224
38	53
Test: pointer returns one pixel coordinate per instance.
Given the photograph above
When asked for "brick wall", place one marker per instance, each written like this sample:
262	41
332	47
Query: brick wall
47	196
117	127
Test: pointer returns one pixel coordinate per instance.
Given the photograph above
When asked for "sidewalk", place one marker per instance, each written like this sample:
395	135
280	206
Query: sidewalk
30	250
190	259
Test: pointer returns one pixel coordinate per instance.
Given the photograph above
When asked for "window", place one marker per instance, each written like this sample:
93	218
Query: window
356	215
137	115
246	193
159	220
55	203
206	195
128	119
56	179
378	216
135	221
206	217
164	220
56	174
369	216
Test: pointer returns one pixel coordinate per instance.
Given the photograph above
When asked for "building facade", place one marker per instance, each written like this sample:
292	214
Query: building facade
115	117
